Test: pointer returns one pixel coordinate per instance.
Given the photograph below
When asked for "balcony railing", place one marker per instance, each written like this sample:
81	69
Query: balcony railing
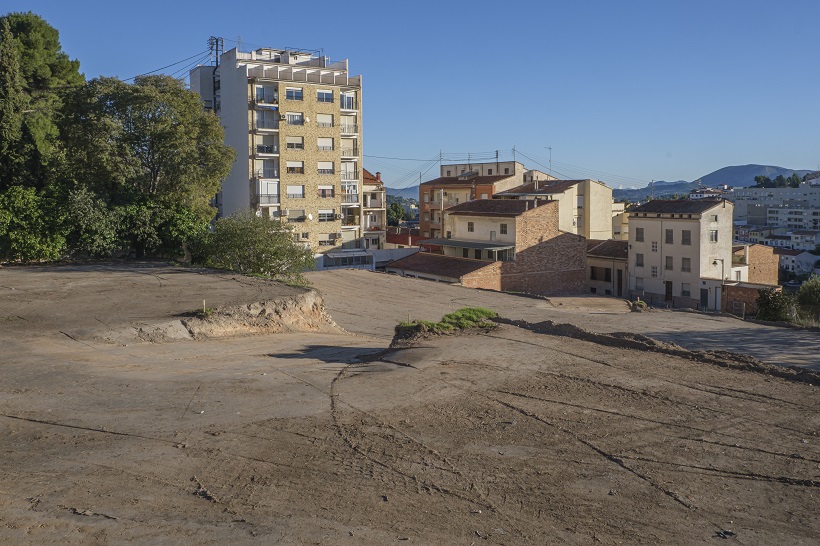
267	100
350	175
350	198
267	124
373	204
326	171
296	195
325	148
324	124
295	146
268	199
350	128
354	221
295	121
267	173
297	218
296	170
267	149
350	152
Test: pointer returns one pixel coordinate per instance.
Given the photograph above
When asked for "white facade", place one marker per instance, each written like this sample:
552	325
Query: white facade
680	256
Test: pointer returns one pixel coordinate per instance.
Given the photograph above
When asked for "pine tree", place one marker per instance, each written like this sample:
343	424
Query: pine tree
13	103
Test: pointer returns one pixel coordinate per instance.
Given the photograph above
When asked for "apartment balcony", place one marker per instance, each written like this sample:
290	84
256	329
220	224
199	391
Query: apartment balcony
350	152
324	148
270	174
347	103
350	199
267	199
264	150
295	170
265	126
350	222
349	129
350	175
265	102
373	204
296	196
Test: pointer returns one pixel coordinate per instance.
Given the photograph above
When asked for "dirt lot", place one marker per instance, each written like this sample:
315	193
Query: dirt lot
322	437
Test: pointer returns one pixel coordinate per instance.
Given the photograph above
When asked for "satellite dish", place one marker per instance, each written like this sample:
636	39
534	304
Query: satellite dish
310	217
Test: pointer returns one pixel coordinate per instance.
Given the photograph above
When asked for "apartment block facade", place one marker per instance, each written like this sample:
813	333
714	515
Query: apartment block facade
295	121
680	252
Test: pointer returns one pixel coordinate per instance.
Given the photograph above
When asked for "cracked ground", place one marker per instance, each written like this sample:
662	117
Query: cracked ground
494	437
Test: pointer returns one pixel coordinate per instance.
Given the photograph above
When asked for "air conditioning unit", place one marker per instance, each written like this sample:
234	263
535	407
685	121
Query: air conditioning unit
283	117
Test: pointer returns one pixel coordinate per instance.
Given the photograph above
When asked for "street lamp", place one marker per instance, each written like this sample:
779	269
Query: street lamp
722	280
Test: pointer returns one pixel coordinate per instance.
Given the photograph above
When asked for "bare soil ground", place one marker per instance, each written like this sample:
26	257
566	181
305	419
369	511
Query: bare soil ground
322	436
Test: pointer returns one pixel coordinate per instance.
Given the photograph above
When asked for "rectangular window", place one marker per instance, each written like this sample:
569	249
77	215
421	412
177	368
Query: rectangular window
654	246
506	170
503	229
638	283
295	167
296	215
324	96
347	100
686	237
448	173
669	263
325	144
326	191
324	120
639	234
713	236
296	192
478	254
638	260
592	275
426	216
295	143
489	172
465	252
325	167
685	290
293	93
484	196
295	118
326	215
713	218
686	264
470	227
654	271
608	275
669	236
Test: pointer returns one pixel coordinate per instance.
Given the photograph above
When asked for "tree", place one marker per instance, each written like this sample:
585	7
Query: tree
808	296
247	243
395	214
91	224
794	181
763	182
774	305
13	102
28	230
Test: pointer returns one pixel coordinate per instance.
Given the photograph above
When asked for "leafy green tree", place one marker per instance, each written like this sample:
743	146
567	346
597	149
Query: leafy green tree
250	244
29	231
775	305
808	296
395	214
794	181
763	182
780	181
13	103
91	224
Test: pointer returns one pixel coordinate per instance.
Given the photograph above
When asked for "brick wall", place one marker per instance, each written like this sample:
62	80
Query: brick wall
734	296
763	264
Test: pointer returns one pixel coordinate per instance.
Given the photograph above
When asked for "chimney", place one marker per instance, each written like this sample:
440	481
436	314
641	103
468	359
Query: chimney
378	176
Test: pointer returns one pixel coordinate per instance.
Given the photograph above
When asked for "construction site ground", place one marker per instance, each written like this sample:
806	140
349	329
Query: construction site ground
120	420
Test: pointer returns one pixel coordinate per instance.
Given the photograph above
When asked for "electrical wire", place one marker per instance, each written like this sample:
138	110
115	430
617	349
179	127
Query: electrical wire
167	66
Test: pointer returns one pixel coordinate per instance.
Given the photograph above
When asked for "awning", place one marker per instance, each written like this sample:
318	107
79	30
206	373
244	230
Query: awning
352	253
467	244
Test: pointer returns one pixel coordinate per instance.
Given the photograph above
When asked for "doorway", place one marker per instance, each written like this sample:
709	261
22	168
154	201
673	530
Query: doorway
704	299
668	290
620	283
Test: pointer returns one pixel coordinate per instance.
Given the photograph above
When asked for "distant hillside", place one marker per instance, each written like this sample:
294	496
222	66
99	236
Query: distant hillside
739	176
411	192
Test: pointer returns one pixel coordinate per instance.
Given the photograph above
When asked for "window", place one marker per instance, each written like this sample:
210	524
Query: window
448	173
686	264
426	216
470	227
324	120
713	236
296	192
592	274
503	229
326	191
686	237
326	215
296	215
325	144
669	263
608	275
639	234
685	290
347	100
484	196
654	246
713	218
295	118
296	167
295	143
325	167
489	172
737	275
506	170
654	271
669	236
327	239
293	93
638	283
477	254
638	260
465	252
324	96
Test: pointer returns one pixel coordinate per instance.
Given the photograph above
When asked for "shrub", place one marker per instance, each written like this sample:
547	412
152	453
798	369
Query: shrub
775	305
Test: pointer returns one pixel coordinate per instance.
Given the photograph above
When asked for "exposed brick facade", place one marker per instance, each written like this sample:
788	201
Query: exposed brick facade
763	264
735	296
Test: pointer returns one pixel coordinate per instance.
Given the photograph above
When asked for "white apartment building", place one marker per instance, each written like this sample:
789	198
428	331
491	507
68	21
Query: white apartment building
753	204
791	217
680	252
294	119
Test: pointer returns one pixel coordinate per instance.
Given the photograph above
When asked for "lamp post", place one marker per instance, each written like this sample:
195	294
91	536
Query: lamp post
722	279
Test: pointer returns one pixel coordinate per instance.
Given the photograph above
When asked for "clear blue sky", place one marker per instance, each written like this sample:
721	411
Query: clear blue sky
623	91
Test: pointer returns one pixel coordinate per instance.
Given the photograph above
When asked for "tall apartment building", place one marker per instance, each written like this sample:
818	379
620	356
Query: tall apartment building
295	121
752	204
680	252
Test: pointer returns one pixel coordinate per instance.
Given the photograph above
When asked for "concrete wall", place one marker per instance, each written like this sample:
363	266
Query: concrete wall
597	211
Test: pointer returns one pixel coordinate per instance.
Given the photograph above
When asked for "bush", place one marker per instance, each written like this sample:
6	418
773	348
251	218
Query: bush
775	305
467	317
29	226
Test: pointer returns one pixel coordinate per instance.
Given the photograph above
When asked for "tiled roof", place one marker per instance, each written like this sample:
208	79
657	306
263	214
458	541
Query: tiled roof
608	248
454	180
788	251
492	207
436	264
667	206
370	178
545	187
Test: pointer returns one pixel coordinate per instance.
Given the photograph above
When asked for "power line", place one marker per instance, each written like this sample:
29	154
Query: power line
168	66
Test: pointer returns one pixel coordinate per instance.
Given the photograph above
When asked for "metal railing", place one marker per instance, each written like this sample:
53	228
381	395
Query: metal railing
324	124
296	195
350	175
347	103
325	148
350	128
350	152
267	173
267	100
327	171
296	170
267	149
268	199
295	146
272	124
350	198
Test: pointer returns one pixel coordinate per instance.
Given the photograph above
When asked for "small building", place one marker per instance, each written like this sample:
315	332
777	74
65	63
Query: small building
502	244
761	261
796	262
805	239
607	265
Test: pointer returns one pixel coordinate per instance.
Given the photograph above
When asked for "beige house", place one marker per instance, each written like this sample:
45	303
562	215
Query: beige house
680	252
584	206
502	244
294	119
607	264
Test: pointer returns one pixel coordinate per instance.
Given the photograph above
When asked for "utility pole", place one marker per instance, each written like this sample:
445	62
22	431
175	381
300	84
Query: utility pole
513	153
550	149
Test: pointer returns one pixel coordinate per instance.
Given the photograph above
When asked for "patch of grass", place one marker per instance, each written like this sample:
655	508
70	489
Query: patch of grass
467	317
205	312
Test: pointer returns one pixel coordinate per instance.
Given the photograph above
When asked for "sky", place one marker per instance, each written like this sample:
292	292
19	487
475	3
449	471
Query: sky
625	92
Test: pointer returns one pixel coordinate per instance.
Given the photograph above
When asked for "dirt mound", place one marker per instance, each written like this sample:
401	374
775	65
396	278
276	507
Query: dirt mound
628	340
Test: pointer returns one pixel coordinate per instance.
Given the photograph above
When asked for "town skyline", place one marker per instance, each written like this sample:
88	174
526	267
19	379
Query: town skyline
624	94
